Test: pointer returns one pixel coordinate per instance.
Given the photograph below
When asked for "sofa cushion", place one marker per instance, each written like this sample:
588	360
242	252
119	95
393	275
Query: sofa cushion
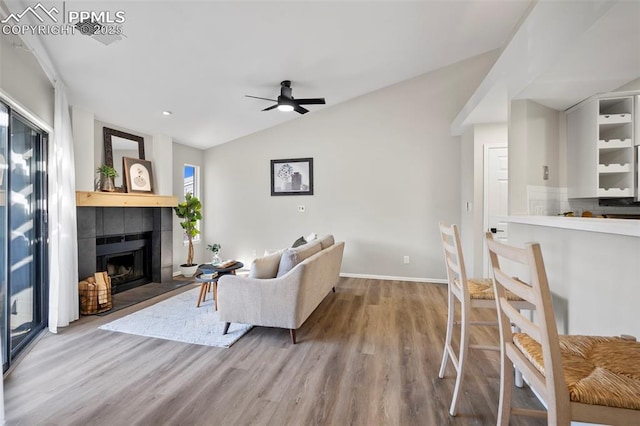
292	256
327	241
266	266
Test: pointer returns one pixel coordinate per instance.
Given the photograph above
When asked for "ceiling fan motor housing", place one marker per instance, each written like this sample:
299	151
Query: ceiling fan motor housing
283	100
285	89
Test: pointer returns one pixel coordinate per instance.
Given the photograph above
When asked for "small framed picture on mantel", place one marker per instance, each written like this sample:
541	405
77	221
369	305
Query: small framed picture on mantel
293	176
138	175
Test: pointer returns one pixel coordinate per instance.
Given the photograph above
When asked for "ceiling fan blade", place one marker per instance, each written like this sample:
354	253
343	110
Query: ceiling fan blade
258	97
271	107
300	109
310	101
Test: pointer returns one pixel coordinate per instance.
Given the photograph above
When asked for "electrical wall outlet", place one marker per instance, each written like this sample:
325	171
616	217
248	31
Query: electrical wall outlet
301	209
406	260
545	172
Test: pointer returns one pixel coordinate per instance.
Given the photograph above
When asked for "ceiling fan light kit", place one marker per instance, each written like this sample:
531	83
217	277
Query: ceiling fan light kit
286	102
285	107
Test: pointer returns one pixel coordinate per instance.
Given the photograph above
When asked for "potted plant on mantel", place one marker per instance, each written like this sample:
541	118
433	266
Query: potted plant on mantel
107	174
190	213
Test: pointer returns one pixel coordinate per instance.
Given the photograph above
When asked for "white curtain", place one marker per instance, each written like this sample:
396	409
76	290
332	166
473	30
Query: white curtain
63	241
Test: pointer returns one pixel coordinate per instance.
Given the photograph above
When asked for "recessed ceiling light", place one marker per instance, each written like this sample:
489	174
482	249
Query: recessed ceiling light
166	113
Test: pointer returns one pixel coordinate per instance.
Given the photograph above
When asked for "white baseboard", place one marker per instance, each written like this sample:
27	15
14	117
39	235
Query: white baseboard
391	278
379	277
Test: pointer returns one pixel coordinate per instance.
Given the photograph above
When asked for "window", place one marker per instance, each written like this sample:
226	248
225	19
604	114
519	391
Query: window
191	180
191	176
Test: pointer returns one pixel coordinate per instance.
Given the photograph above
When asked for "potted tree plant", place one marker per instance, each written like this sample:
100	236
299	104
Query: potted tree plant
107	174
190	213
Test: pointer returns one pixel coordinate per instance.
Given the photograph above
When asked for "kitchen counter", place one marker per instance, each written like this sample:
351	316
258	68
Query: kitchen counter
593	266
627	227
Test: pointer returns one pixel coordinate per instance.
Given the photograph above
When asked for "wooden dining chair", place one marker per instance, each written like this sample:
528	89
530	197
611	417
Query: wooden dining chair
471	293
580	378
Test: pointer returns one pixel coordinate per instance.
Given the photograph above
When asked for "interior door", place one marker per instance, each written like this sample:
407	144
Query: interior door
496	194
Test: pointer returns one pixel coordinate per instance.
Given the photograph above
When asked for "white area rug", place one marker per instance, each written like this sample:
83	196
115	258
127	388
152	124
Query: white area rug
178	319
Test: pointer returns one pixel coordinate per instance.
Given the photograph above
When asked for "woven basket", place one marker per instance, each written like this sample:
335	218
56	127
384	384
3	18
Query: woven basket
95	294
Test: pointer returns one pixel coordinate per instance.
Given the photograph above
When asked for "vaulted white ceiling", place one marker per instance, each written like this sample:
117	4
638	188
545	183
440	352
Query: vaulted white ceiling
199	59
562	53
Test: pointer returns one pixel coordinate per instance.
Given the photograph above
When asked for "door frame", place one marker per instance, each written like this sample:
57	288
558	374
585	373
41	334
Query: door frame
485	200
41	182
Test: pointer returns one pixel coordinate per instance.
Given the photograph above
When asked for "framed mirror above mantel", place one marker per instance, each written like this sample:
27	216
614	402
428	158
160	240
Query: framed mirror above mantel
118	144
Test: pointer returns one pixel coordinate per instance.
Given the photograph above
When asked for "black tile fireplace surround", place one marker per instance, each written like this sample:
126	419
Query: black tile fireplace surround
126	258
124	225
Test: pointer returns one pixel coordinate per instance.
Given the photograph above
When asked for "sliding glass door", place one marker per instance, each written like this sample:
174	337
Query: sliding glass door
23	238
4	155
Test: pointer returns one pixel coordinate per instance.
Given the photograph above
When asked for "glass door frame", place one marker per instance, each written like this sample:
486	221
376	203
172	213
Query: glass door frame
41	262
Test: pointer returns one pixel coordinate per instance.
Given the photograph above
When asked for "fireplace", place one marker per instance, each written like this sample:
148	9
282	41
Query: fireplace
132	244
126	258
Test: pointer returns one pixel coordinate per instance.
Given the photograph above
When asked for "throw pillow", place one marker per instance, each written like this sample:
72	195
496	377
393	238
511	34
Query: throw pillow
297	243
291	257
266	266
312	236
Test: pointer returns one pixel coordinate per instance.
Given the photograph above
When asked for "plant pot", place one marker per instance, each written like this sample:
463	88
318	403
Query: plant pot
107	184
188	270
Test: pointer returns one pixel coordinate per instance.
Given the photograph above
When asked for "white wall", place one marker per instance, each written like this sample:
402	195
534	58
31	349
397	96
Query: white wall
386	171
467	198
562	149
162	156
518	157
83	148
186	155
534	141
632	85
543	144
22	78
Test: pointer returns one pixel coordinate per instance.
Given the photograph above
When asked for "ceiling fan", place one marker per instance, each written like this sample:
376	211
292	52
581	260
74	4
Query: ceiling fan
286	102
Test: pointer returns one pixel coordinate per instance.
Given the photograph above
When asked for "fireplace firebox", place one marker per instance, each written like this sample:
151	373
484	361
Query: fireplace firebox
126	258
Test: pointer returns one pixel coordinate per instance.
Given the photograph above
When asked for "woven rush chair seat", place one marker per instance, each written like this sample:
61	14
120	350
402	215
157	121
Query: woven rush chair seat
598	370
482	289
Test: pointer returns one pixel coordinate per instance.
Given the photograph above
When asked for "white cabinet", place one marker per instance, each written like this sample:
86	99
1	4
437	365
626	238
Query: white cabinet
600	148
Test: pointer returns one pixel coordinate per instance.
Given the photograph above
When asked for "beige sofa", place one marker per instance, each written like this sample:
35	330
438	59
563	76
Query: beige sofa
302	278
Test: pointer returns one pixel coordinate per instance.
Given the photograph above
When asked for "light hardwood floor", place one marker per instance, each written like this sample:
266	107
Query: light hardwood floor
369	355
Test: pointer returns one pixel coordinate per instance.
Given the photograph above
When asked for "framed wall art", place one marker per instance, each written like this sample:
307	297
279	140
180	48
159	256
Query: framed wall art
138	175
292	176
